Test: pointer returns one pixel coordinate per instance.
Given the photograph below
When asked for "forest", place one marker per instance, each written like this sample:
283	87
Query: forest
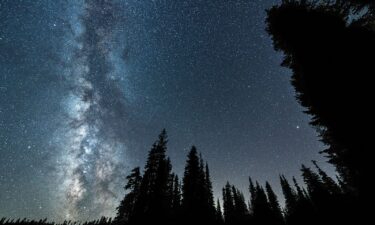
329	46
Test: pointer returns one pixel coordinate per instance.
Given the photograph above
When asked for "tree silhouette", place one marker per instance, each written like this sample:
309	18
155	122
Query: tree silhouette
126	207
176	200
262	212
276	214
228	204
153	204
219	213
241	212
291	199
197	203
329	184
330	51
209	196
156	198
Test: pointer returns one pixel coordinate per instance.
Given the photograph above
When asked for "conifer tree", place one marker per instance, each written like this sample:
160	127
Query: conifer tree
176	194
126	207
290	202
320	196
209	194
174	200
315	186
277	216
241	212
305	211
190	186
219	213
197	203
252	194
153	202
228	204
262	213
329	183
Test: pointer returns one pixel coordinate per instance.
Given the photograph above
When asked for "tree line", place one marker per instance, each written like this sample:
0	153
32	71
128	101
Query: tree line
158	196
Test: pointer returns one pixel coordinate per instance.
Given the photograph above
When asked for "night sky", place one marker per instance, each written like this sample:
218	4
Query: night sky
86	87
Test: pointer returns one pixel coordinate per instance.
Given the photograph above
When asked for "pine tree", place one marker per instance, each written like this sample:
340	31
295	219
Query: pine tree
190	195
320	196
174	199
329	183
176	194
252	194
153	203
277	216
290	202
170	193
241	212
209	194
300	192
228	204
315	185
219	213
197	203
305	211
262	213
126	207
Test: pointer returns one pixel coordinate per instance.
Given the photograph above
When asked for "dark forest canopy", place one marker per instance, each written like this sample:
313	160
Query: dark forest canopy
157	196
330	48
320	200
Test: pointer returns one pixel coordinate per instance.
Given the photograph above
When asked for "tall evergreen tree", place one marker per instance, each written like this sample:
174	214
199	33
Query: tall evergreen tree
290	202
277	216
153	204
305	210
219	213
126	207
315	186
241	212
174	199
320	196
328	182
176	194
209	194
197	204
300	192
190	186
262	213
252	194
228	204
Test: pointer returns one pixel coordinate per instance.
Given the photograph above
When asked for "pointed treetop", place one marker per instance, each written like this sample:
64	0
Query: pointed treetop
163	137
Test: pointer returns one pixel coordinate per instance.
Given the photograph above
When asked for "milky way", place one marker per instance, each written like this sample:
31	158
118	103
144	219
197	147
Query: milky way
91	139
